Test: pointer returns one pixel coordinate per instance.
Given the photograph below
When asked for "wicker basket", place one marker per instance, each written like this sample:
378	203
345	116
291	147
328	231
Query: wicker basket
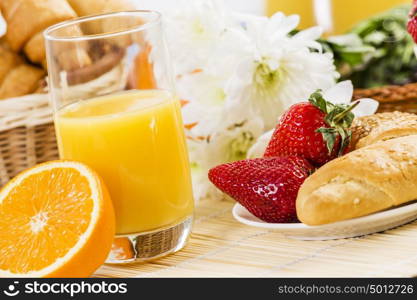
27	134
392	98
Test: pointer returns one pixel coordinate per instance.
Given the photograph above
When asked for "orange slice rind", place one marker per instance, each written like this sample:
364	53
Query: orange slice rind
56	220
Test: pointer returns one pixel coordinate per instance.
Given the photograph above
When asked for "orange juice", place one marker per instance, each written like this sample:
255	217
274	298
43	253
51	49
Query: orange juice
348	13
303	8
341	14
135	141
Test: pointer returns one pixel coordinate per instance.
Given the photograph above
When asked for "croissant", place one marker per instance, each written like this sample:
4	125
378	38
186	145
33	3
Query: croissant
84	8
26	19
8	60
21	80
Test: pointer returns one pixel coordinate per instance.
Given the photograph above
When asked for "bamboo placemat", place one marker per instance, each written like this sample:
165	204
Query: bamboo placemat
222	247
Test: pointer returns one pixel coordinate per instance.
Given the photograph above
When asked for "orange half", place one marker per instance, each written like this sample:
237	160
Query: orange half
56	220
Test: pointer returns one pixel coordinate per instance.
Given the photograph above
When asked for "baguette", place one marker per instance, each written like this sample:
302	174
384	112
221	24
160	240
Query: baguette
362	182
381	127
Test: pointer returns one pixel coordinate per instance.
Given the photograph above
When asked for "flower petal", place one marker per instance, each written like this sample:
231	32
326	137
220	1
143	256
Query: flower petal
308	37
283	24
341	93
366	107
3	26
258	149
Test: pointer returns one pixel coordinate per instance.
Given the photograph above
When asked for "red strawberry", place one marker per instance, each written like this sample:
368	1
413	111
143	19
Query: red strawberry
317	130
267	187
413	9
412	22
412	27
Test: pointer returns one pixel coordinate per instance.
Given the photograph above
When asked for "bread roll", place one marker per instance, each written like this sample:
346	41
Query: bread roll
70	55
381	127
26	18
35	48
362	182
73	58
8	61
85	8
22	80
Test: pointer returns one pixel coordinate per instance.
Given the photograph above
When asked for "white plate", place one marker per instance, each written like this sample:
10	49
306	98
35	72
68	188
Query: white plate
344	229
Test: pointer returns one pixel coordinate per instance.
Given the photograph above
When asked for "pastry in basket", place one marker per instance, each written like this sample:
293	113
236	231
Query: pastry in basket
27	18
72	55
8	60
23	79
84	8
284	187
26	21
94	7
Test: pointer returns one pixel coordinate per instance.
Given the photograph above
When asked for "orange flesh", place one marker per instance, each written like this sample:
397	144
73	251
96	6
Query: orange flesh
38	227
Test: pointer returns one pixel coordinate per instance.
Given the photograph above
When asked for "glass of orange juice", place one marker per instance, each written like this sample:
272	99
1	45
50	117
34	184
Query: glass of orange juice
115	108
335	16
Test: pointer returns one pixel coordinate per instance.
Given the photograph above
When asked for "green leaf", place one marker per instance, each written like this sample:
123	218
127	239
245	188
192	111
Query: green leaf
391	60
329	136
338	117
317	100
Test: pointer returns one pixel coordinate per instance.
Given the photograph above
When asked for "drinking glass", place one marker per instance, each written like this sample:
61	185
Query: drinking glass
115	109
334	16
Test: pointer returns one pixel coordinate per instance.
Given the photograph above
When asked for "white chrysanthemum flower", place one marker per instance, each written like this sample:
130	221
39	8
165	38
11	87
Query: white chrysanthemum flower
273	70
206	97
258	149
341	93
227	145
3	26
238	74
193	30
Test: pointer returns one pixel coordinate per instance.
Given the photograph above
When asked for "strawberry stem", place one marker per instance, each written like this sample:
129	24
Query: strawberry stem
339	118
341	115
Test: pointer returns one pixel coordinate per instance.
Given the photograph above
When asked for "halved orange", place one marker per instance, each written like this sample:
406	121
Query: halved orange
56	220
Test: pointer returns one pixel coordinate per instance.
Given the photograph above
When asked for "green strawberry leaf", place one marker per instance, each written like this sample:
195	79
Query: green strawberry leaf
329	136
317	100
338	117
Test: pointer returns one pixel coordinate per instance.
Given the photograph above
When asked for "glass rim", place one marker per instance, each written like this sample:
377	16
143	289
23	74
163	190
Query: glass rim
157	16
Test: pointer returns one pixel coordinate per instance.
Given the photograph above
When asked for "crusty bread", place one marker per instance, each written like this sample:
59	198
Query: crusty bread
84	8
26	18
381	127
71	56
35	48
8	60
362	182
22	80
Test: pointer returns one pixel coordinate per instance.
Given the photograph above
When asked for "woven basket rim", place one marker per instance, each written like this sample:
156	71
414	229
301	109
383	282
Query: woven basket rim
23	103
29	110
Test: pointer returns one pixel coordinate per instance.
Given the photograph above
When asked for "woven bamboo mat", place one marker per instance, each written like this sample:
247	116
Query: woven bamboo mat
222	247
